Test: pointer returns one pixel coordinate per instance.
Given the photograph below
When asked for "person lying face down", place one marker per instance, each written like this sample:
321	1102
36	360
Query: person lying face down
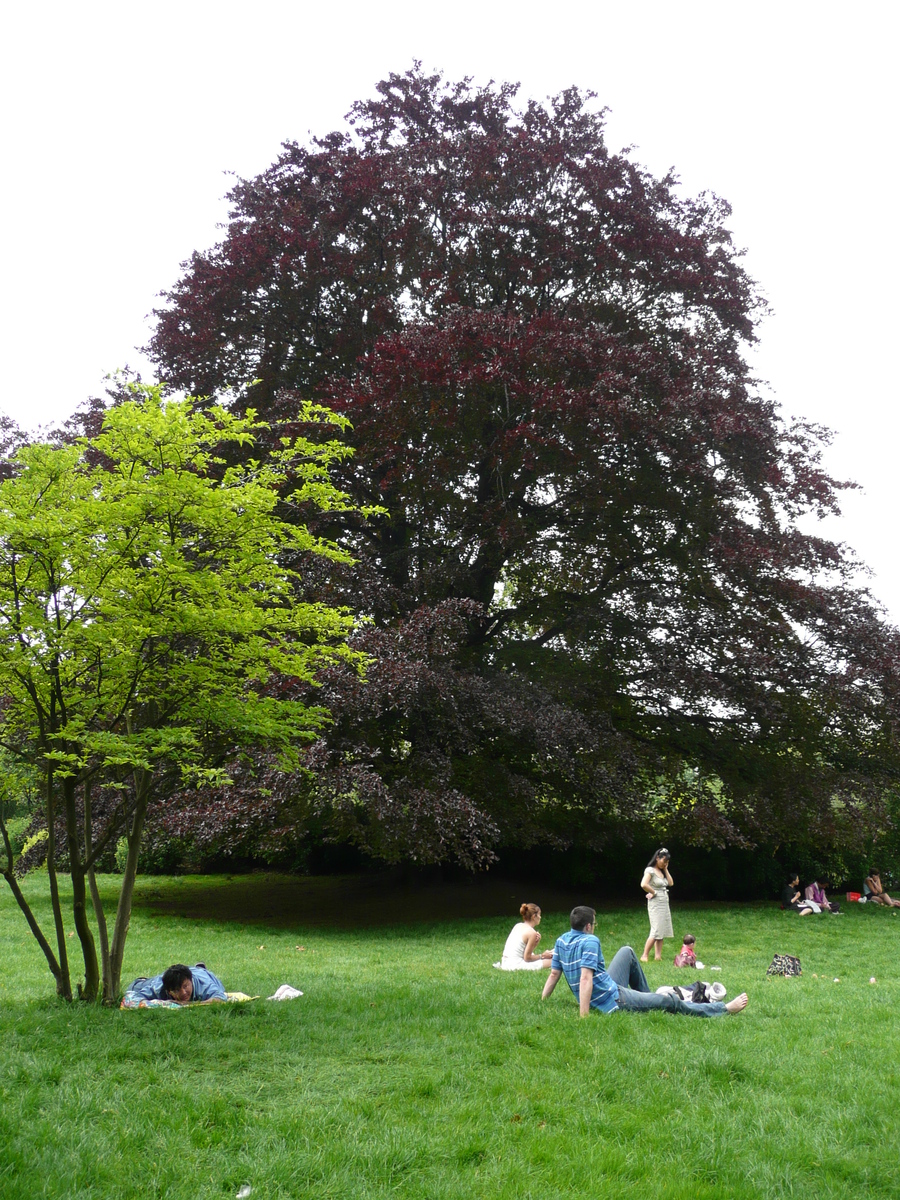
183	984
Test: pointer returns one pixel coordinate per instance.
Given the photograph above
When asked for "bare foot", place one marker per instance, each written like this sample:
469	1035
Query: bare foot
658	958
737	1004
644	958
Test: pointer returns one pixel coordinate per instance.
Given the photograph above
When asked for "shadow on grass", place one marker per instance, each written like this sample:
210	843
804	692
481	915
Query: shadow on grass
362	901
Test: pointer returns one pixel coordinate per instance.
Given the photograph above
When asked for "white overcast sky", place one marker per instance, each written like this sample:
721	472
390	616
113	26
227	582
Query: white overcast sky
121	120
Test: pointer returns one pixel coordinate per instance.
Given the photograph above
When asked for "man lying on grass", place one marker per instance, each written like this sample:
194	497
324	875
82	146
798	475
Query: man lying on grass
185	985
578	956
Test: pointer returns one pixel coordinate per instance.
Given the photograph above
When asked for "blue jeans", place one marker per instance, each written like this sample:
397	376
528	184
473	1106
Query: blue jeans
635	994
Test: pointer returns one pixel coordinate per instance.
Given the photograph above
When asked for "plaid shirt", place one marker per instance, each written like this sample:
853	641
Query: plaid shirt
577	949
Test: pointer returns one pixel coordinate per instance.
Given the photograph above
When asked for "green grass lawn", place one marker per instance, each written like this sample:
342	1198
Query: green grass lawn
410	1068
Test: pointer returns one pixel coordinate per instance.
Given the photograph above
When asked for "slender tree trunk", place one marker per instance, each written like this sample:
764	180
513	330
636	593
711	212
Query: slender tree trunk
23	904
99	914
112	984
7	847
79	897
63	979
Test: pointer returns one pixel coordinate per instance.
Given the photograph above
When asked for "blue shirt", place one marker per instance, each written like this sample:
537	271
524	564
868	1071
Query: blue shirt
206	986
577	949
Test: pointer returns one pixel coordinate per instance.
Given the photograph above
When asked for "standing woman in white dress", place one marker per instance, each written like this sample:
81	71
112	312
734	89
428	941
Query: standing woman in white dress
519	951
656	884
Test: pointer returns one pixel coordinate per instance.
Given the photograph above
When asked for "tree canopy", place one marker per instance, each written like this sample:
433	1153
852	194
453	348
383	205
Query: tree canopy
147	599
593	603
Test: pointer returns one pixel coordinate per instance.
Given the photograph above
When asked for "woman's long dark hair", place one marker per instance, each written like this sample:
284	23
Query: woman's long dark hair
662	852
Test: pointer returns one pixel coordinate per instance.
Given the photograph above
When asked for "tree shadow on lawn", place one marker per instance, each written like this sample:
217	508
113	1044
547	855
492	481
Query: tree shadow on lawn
335	901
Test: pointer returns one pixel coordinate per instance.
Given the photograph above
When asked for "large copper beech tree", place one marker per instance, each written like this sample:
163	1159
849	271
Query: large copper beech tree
592	601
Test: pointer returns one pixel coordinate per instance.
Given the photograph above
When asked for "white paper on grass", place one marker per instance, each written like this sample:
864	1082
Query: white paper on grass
286	992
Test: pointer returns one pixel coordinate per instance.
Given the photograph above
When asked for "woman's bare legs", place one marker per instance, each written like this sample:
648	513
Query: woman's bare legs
655	942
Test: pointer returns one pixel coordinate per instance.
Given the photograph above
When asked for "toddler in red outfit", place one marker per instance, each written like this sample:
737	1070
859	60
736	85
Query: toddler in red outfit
686	957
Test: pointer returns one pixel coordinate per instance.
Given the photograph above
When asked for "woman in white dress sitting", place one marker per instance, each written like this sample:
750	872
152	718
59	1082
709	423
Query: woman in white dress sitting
519	951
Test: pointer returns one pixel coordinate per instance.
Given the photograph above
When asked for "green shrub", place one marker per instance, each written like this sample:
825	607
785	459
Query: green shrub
155	857
17	828
36	839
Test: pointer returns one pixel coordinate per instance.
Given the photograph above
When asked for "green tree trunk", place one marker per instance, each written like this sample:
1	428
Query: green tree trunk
63	978
23	904
112	982
99	914
78	874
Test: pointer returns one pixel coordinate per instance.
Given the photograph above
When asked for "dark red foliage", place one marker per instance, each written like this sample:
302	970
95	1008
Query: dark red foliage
589	595
12	439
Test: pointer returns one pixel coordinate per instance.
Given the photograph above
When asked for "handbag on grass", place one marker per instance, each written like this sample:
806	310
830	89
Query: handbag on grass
784	964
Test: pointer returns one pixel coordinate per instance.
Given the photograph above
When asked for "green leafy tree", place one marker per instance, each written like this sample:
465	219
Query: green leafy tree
148	598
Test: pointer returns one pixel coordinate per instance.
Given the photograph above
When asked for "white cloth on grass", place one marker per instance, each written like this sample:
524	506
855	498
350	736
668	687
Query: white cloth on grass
286	992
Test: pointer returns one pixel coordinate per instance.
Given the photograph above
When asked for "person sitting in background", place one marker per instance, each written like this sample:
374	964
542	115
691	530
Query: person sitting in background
687	955
519	951
816	894
184	985
876	893
790	897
